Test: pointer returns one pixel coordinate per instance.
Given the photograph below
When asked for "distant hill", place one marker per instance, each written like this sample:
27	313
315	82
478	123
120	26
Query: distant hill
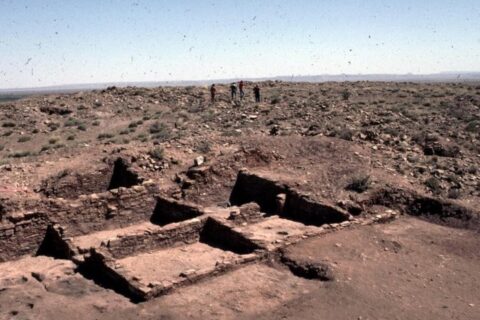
12	94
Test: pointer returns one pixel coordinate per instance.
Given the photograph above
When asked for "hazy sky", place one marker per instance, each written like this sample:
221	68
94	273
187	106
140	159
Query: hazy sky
45	42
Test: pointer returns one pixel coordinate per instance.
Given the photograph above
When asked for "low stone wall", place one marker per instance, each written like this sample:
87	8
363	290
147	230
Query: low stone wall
109	210
154	239
21	234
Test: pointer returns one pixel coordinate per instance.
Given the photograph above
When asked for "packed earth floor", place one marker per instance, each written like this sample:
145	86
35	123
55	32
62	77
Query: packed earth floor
323	201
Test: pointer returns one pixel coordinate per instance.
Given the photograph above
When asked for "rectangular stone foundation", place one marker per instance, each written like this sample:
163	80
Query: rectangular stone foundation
143	265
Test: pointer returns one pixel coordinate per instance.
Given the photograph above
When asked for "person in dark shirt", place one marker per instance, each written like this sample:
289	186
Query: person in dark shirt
233	90
213	91
256	91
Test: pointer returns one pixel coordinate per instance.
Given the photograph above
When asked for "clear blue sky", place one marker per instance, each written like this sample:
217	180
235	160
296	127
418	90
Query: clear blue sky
46	42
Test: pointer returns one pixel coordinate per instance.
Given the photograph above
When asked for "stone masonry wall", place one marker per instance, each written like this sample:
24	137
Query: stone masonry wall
178	233
109	210
21	234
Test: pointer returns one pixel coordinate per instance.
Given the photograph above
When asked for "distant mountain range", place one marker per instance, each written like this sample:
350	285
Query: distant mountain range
434	77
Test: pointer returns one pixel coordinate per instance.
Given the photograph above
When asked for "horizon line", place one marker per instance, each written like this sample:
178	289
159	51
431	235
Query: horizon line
98	85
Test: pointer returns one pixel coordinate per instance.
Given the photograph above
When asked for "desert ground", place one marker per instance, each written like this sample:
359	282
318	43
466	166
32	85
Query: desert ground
356	200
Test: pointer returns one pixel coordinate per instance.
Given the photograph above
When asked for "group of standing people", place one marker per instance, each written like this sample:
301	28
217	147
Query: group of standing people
233	91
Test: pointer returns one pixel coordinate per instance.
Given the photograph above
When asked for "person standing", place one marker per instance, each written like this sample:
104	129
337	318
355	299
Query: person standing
233	90
213	91
256	92
240	87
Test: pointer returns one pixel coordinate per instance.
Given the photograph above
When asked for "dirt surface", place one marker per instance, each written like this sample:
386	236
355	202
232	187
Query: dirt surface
323	201
408	269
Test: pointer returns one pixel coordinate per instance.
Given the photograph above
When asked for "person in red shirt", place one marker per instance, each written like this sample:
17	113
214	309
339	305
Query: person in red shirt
240	87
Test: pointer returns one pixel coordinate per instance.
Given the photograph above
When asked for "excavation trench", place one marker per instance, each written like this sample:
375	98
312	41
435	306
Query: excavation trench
200	246
70	184
431	209
275	198
170	211
95	269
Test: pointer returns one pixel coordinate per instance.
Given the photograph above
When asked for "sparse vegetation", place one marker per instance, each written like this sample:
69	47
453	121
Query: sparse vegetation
24	139
45	148
142	137
72	122
346	94
204	147
454	193
157	153
8	125
103	136
433	184
473	126
359	183
160	131
275	100
20	154
53	126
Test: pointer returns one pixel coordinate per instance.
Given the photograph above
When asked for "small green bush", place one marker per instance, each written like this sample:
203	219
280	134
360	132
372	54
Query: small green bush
359	183
160	131
20	154
8	125
433	184
72	122
156	153
203	147
346	94
103	136
24	139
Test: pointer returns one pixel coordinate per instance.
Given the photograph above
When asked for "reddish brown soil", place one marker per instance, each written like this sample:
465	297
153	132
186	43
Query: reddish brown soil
421	139
408	269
